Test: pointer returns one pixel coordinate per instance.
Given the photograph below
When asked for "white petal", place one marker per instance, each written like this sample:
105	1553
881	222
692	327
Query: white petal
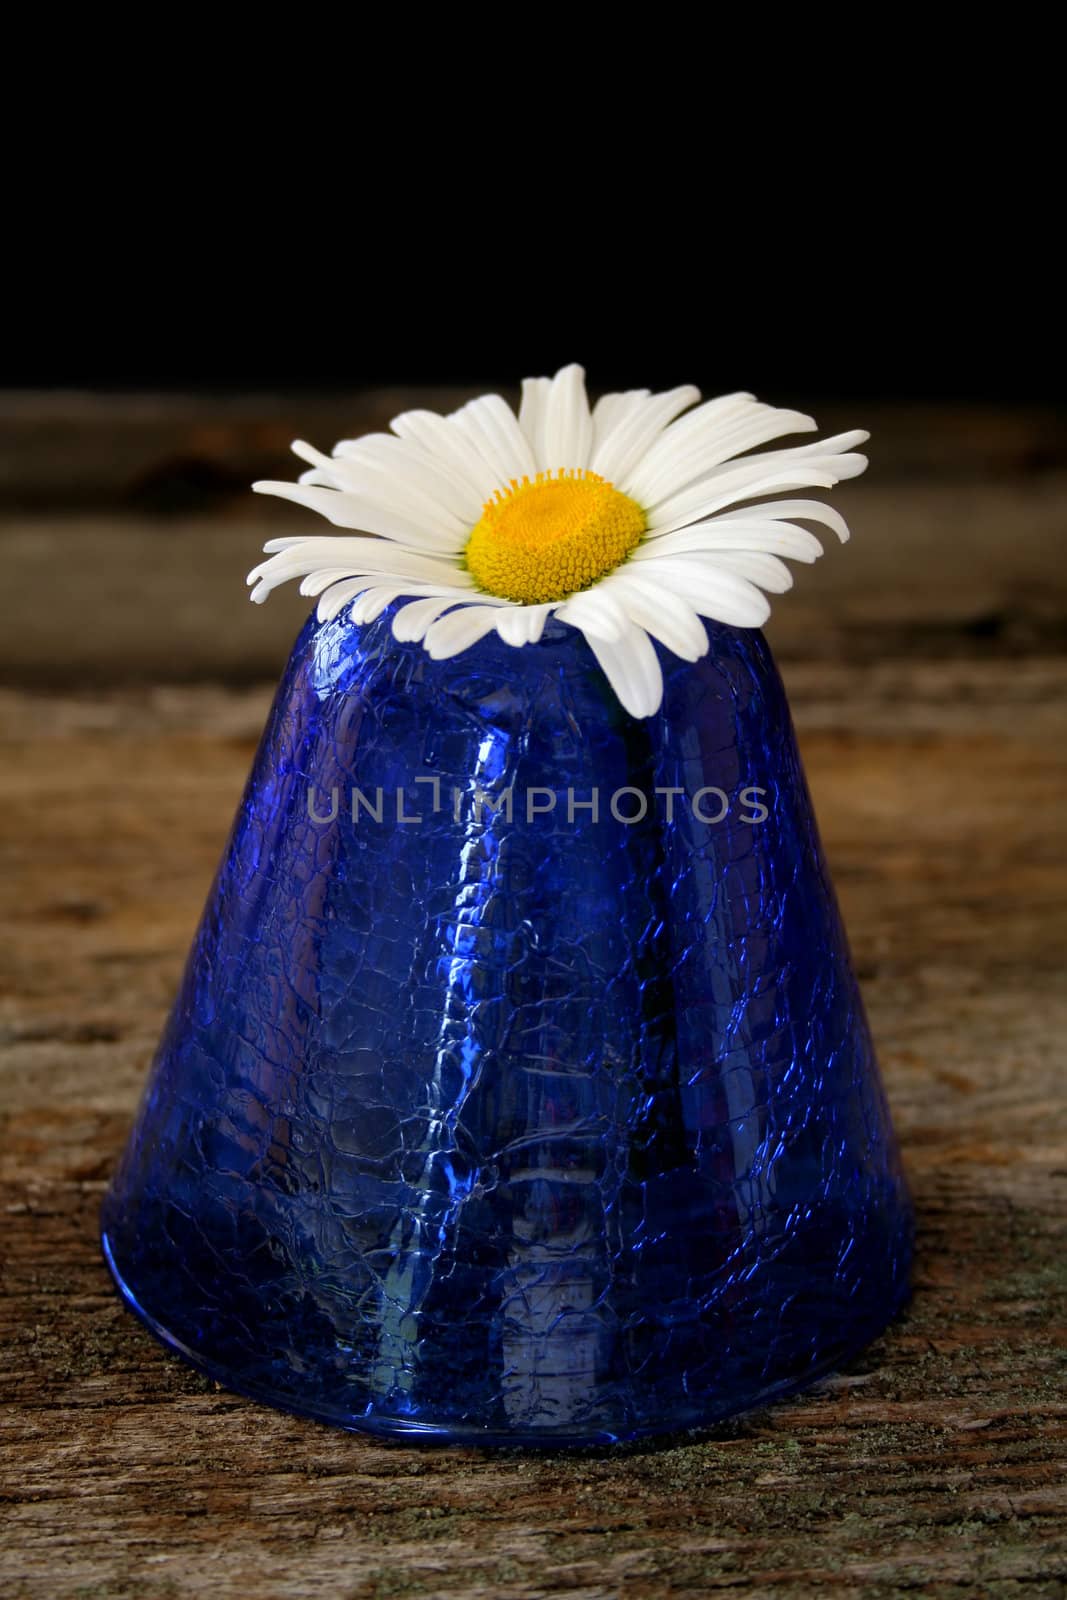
533	416
611	411
519	625
536	617
307	452
380	588
335	599
372	602
848	465
492	428
316	582
726	487
723	533
351	511
839	444
399	484
381	462
819	464
632	667
353	557
663	614
625	446
459	630
805	510
511	625
466	497
595	612
684	452
568	423
720	595
836	453
767	571
448	446
412	620
687	431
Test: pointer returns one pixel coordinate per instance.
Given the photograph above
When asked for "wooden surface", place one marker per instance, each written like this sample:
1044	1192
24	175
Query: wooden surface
927	671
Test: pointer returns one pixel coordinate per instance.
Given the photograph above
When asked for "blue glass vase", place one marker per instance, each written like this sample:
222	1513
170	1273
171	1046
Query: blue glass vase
518	1090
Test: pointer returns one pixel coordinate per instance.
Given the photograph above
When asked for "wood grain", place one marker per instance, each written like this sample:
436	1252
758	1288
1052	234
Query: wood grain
935	1463
127	527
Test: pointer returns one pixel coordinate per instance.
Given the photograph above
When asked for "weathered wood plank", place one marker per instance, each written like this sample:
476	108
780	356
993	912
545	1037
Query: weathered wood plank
171	451
933	568
937	1461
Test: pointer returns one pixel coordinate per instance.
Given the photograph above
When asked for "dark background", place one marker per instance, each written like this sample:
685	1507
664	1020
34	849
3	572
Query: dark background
830	208
869	324
898	280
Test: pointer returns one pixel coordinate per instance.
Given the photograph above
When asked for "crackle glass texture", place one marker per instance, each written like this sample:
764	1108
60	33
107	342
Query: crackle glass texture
531	1131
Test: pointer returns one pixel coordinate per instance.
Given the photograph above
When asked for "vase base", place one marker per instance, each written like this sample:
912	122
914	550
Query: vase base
408	1430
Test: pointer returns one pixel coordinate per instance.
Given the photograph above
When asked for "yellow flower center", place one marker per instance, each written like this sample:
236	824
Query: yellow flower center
546	539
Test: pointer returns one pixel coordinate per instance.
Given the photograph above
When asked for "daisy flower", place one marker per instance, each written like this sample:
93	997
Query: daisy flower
629	520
